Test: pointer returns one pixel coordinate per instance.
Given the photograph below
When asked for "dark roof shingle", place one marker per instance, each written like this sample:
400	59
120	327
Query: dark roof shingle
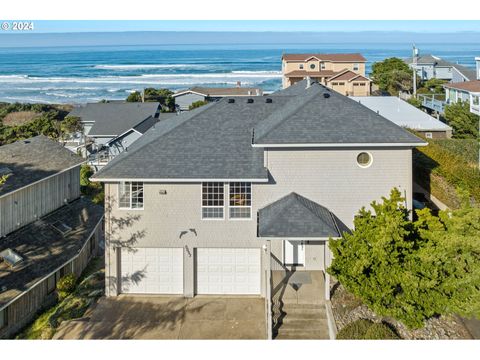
113	119
32	160
294	216
43	248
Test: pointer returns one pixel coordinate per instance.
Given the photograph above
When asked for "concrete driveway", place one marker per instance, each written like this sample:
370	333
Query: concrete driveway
158	317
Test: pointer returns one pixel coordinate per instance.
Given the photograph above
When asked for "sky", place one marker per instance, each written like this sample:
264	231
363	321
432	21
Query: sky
427	26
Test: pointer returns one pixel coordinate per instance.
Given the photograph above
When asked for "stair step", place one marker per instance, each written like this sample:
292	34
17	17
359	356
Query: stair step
303	317
302	335
306	325
320	312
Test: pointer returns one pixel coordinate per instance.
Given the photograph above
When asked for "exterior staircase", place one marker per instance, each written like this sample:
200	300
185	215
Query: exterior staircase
299	321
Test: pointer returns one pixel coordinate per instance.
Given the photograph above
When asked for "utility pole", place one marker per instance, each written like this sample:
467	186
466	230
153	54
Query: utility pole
414	66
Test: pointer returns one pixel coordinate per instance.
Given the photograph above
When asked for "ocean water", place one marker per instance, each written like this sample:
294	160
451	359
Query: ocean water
90	74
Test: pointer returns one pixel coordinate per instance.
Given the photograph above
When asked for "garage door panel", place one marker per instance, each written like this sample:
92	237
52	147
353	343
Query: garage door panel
228	271
152	271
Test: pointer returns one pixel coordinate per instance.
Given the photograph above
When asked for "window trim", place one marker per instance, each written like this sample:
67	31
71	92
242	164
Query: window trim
131	193
240	207
428	135
367	165
356	66
211	206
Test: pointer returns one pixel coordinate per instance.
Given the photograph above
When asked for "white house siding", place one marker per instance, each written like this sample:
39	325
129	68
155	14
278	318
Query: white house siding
185	100
330	177
28	204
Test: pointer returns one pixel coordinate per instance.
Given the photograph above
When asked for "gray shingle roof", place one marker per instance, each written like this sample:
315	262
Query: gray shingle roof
430	59
32	160
43	248
215	140
294	216
323	116
470	74
113	119
146	124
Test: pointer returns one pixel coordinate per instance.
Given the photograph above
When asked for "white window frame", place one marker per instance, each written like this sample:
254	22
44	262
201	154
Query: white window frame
356	66
300	66
122	183
212	206
367	165
239	207
428	135
322	66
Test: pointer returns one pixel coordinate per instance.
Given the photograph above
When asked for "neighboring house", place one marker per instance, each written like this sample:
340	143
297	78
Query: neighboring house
215	200
185	98
110	128
468	91
432	67
47	230
405	115
344	73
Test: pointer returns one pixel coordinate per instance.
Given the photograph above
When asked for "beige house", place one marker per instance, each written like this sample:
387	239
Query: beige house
344	73
222	199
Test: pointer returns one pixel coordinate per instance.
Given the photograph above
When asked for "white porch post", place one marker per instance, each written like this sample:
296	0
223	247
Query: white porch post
327	276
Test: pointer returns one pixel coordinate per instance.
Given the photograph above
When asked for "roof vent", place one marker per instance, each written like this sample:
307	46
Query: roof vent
231	101
326	95
10	257
268	100
61	227
250	101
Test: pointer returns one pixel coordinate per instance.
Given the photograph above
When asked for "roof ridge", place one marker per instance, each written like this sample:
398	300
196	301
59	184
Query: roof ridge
301	100
313	213
126	154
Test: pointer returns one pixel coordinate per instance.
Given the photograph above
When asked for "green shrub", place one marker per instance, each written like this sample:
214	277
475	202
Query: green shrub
380	331
355	330
364	329
411	271
197	104
438	160
66	285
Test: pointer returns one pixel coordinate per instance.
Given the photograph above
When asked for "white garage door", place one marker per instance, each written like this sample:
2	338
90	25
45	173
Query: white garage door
152	271
228	271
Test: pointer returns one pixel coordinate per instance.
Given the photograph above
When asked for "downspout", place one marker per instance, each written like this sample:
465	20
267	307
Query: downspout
268	295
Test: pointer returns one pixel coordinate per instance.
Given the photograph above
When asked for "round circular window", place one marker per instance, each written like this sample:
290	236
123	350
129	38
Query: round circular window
364	159
312	66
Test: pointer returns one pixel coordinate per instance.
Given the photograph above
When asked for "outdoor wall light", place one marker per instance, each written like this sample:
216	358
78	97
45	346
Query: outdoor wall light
264	247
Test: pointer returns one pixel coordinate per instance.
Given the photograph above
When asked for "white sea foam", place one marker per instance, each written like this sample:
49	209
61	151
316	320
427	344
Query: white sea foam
149	66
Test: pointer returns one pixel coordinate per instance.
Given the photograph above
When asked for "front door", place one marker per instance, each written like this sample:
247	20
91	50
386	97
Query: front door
294	253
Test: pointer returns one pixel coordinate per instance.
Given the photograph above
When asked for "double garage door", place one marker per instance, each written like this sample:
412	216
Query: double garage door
217	271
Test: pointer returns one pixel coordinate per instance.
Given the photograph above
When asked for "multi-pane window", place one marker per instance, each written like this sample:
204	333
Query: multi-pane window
130	195
212	200
356	67
240	200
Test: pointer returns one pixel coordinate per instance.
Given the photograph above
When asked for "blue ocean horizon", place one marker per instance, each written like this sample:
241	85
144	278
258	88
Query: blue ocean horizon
80	74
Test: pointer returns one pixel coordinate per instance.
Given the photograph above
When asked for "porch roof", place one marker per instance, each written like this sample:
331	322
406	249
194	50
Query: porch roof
294	216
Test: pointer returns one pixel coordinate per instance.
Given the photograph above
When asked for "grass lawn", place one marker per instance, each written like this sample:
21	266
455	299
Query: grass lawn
90	287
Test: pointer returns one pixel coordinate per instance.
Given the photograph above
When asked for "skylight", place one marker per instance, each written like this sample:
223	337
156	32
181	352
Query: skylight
10	257
5	171
61	227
